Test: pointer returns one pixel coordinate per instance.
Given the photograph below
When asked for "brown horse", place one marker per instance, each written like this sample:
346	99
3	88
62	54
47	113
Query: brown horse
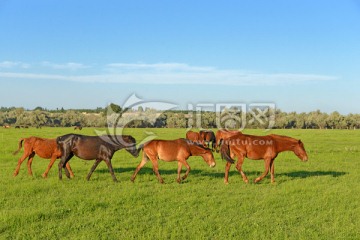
193	136
99	148
222	134
77	127
6	126
208	136
259	147
173	150
45	148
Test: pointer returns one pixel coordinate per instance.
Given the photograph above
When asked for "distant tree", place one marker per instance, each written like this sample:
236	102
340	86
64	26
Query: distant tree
115	108
39	109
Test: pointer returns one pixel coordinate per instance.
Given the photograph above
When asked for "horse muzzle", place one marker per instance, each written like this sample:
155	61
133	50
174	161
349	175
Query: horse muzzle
213	165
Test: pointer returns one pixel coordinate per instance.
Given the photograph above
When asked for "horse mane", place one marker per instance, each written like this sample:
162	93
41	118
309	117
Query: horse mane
281	138
189	142
276	136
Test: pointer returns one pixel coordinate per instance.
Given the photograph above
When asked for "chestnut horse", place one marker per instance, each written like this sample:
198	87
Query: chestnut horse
193	136
99	148
259	147
222	134
208	136
45	148
173	150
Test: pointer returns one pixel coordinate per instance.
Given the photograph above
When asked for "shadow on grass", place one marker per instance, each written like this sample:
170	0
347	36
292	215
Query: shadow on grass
251	174
306	174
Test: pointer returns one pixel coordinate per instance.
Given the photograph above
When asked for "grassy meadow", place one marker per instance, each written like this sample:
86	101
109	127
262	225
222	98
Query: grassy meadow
317	199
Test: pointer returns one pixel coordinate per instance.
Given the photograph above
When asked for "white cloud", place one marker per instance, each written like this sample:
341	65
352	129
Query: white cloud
157	67
65	66
173	73
10	64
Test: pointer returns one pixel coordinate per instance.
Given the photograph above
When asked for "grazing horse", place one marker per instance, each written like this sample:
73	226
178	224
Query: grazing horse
6	126
208	136
77	127
193	136
259	147
45	148
99	148
173	150
222	134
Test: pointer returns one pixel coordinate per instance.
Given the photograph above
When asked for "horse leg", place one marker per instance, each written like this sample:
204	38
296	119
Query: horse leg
52	160
267	166
239	168
144	160
70	170
97	161
179	172
29	162
187	169
67	173
111	170
227	168
64	159
21	160
272	170
154	161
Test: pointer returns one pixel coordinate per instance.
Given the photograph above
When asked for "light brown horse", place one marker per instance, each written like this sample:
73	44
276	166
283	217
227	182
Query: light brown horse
222	134
193	136
259	147
173	150
45	148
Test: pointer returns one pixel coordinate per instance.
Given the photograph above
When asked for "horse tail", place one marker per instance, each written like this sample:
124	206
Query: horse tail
225	152
20	146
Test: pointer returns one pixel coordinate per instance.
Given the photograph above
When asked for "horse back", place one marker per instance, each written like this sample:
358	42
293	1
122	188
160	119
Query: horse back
45	148
253	147
167	150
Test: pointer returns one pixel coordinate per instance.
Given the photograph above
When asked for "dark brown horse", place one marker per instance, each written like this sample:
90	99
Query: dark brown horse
193	136
259	147
222	134
99	148
173	150
45	148
208	136
77	127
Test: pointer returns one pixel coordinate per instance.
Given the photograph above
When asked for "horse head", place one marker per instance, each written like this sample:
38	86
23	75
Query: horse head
300	151
130	145
209	158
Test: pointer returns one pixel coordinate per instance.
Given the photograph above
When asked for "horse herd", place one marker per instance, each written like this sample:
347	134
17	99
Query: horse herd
230	144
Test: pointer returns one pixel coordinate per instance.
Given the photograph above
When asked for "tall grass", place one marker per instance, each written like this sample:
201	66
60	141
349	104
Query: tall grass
317	199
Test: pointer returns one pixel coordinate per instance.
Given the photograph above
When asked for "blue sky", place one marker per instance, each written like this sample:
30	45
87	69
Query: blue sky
300	55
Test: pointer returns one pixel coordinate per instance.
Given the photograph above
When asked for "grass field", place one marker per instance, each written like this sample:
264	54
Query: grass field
313	200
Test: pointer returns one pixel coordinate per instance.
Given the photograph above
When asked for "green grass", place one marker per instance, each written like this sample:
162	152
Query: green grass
313	200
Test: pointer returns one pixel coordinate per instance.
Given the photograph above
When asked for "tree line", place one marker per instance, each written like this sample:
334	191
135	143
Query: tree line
113	115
